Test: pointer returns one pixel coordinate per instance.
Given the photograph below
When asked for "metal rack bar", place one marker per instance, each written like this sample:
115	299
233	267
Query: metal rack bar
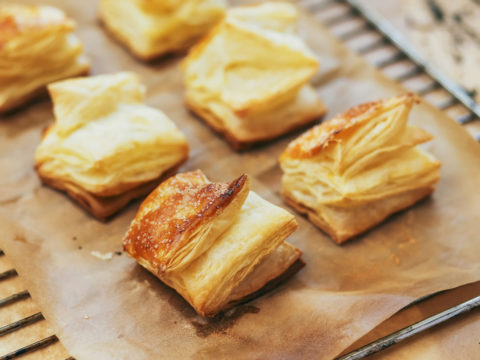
390	33
4	330
334	20
8	274
14	298
411	330
373	46
29	348
409	74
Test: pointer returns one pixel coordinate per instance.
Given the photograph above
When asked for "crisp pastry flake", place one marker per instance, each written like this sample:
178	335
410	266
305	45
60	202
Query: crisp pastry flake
37	47
152	28
249	77
350	173
216	244
106	147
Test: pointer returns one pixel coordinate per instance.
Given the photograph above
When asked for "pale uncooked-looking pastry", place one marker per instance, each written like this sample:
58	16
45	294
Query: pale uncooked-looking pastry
249	78
350	173
37	47
152	28
106	147
216	244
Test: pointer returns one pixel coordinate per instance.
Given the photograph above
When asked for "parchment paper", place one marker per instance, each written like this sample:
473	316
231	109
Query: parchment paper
458	338
114	309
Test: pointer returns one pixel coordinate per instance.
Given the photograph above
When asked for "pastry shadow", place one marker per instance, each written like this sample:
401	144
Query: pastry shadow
223	321
40	97
219	324
203	326
140	275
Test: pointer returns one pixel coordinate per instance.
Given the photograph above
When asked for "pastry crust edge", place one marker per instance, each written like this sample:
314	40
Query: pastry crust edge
411	198
27	99
104	211
242	145
296	266
117	37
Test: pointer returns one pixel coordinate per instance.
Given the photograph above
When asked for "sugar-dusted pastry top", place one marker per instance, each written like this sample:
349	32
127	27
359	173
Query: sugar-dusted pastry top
37	46
252	60
206	239
104	139
168	220
151	28
367	153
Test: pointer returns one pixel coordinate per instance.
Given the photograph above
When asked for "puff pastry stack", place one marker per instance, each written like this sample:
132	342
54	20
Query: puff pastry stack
249	78
216	244
152	28
106	147
350	173
37	47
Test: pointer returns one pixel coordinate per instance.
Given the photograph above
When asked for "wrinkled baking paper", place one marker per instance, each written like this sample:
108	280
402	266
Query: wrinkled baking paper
457	338
114	309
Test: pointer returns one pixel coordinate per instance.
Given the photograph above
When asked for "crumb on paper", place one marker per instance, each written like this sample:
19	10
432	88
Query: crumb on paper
86	317
102	256
395	259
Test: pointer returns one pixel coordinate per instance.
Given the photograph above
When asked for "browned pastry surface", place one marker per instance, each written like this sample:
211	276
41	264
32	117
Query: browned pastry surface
352	172
216	244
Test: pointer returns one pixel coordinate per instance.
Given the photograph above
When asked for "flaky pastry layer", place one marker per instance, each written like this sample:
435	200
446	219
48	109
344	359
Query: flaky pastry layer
214	243
249	77
153	28
342	223
365	161
105	142
37	47
103	207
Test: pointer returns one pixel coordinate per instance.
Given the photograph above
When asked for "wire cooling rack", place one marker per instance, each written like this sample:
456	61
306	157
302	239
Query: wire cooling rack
367	33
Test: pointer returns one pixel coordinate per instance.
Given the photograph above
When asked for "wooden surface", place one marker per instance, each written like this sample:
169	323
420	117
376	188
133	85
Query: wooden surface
359	38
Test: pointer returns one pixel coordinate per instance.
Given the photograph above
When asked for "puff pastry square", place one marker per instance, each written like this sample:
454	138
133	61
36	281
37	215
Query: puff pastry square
249	78
216	244
152	28
106	147
350	173
37	47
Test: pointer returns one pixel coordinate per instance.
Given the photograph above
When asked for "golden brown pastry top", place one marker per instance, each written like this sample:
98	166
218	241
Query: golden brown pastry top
318	138
204	239
368	153
172	214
